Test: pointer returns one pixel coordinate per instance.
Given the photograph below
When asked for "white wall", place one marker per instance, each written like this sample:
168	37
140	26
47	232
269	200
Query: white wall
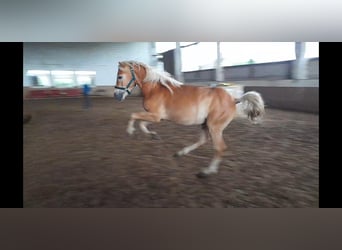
100	57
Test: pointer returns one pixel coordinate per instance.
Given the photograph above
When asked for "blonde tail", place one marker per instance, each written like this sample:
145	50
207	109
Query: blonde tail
251	105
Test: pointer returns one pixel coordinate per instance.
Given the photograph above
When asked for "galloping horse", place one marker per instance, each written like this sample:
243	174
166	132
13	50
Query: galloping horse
165	98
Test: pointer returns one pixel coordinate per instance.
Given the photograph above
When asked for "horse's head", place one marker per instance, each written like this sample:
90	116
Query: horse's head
133	73
126	81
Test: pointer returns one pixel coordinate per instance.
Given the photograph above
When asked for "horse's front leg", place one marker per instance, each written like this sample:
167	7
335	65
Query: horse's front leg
145	118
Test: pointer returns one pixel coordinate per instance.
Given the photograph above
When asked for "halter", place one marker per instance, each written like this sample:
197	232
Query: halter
129	84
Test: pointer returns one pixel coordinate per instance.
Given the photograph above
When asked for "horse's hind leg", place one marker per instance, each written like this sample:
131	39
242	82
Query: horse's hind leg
219	146
203	138
216	132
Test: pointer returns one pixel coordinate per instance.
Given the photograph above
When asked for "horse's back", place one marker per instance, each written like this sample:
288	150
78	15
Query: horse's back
192	104
214	94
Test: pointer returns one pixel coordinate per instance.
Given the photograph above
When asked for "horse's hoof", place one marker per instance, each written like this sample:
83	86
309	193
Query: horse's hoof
155	136
176	155
201	175
130	130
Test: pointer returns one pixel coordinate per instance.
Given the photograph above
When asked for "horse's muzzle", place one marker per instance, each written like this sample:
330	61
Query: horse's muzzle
119	95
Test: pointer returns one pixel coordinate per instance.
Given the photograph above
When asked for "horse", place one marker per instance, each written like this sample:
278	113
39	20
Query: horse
165	98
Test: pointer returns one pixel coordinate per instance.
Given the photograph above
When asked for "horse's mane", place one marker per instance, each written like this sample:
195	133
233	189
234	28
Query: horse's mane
155	76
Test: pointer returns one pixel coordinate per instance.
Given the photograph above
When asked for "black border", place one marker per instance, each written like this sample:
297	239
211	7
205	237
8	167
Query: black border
330	55
12	122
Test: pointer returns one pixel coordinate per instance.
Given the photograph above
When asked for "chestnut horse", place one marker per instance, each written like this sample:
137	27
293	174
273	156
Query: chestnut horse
165	98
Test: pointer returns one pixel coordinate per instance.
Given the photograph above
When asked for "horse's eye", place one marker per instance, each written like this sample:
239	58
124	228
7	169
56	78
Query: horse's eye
119	77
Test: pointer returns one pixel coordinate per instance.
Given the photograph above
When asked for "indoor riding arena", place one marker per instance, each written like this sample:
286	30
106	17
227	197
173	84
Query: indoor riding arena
76	157
77	153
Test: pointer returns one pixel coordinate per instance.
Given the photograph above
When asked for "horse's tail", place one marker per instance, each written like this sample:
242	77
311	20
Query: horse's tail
251	105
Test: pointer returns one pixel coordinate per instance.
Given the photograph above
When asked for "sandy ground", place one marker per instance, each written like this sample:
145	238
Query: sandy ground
75	157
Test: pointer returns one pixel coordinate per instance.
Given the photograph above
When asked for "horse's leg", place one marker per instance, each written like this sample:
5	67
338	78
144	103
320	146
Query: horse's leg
203	139
220	146
216	130
143	127
145	119
130	127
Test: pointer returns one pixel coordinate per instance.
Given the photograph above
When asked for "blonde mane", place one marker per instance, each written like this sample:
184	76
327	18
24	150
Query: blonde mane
155	76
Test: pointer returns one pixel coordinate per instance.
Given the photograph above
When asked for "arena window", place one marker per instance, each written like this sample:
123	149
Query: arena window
60	78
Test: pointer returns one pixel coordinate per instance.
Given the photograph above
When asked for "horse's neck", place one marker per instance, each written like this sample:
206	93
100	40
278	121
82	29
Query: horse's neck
149	89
